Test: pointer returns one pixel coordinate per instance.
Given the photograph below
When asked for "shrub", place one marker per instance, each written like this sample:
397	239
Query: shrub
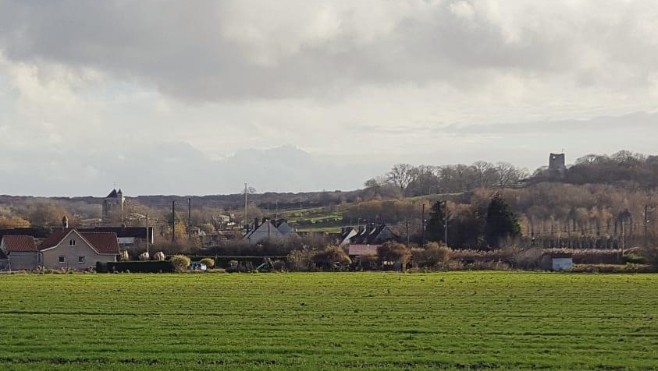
651	255
333	257
144	256
612	268
634	259
180	262
433	256
368	262
393	252
278	265
209	262
300	260
124	255
529	258
159	256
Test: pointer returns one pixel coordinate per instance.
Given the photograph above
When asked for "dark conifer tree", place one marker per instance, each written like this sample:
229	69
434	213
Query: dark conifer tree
435	225
501	222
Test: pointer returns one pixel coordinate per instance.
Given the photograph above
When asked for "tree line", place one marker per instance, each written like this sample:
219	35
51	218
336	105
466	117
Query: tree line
408	180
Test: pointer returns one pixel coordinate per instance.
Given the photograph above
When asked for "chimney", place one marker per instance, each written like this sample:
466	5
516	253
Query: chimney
256	225
65	222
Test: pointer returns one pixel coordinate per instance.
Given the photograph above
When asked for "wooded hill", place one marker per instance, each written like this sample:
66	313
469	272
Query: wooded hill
599	197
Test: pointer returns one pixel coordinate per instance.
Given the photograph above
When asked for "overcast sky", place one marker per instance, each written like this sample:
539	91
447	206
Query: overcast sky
171	97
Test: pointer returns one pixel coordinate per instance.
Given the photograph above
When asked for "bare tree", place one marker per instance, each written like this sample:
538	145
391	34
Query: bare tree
401	175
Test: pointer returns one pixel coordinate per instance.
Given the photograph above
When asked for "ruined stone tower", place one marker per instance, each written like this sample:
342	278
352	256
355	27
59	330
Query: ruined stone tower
557	165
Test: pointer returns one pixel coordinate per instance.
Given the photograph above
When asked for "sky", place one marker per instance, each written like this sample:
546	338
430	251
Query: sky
197	98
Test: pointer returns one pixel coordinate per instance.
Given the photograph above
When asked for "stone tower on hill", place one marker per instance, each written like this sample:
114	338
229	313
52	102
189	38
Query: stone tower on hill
113	205
557	165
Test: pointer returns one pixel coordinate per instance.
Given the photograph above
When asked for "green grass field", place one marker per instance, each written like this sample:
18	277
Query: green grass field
329	320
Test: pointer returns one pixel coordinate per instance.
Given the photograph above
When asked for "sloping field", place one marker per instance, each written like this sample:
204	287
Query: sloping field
329	320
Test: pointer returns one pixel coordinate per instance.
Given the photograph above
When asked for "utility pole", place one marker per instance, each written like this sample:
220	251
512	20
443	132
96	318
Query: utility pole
189	218
146	220
173	221
445	222
422	223
646	225
246	221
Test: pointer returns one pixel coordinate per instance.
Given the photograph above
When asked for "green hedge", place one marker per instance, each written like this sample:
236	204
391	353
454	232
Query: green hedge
223	261
152	266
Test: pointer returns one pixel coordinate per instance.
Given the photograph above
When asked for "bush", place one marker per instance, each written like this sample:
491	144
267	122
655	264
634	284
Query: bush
529	258
433	256
393	252
651	255
634	259
300	260
368	262
332	258
278	266
124	256
613	268
180	262
209	262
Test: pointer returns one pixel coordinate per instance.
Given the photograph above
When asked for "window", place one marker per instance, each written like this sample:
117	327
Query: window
62	259
71	242
81	259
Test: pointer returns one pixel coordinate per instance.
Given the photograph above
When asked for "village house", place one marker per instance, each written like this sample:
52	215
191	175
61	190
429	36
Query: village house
63	248
127	237
21	252
370	234
267	229
72	249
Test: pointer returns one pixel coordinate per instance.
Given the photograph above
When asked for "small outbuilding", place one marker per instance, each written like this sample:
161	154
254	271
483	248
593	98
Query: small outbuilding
557	261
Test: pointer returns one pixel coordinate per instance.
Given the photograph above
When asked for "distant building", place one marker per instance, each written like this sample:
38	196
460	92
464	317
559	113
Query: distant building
266	229
557	165
370	234
113	205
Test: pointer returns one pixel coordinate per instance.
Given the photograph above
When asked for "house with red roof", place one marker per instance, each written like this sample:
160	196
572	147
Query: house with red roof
21	252
72	249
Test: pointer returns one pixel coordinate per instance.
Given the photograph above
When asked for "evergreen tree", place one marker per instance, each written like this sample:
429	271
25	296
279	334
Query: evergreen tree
435	225
501	222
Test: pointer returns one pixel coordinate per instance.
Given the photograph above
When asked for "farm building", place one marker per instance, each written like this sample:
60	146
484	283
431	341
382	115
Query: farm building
556	261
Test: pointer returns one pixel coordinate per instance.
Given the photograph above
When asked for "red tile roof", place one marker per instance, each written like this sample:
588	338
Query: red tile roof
103	242
54	238
362	250
19	243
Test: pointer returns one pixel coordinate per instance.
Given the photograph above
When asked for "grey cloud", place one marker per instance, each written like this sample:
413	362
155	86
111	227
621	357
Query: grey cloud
183	49
632	121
